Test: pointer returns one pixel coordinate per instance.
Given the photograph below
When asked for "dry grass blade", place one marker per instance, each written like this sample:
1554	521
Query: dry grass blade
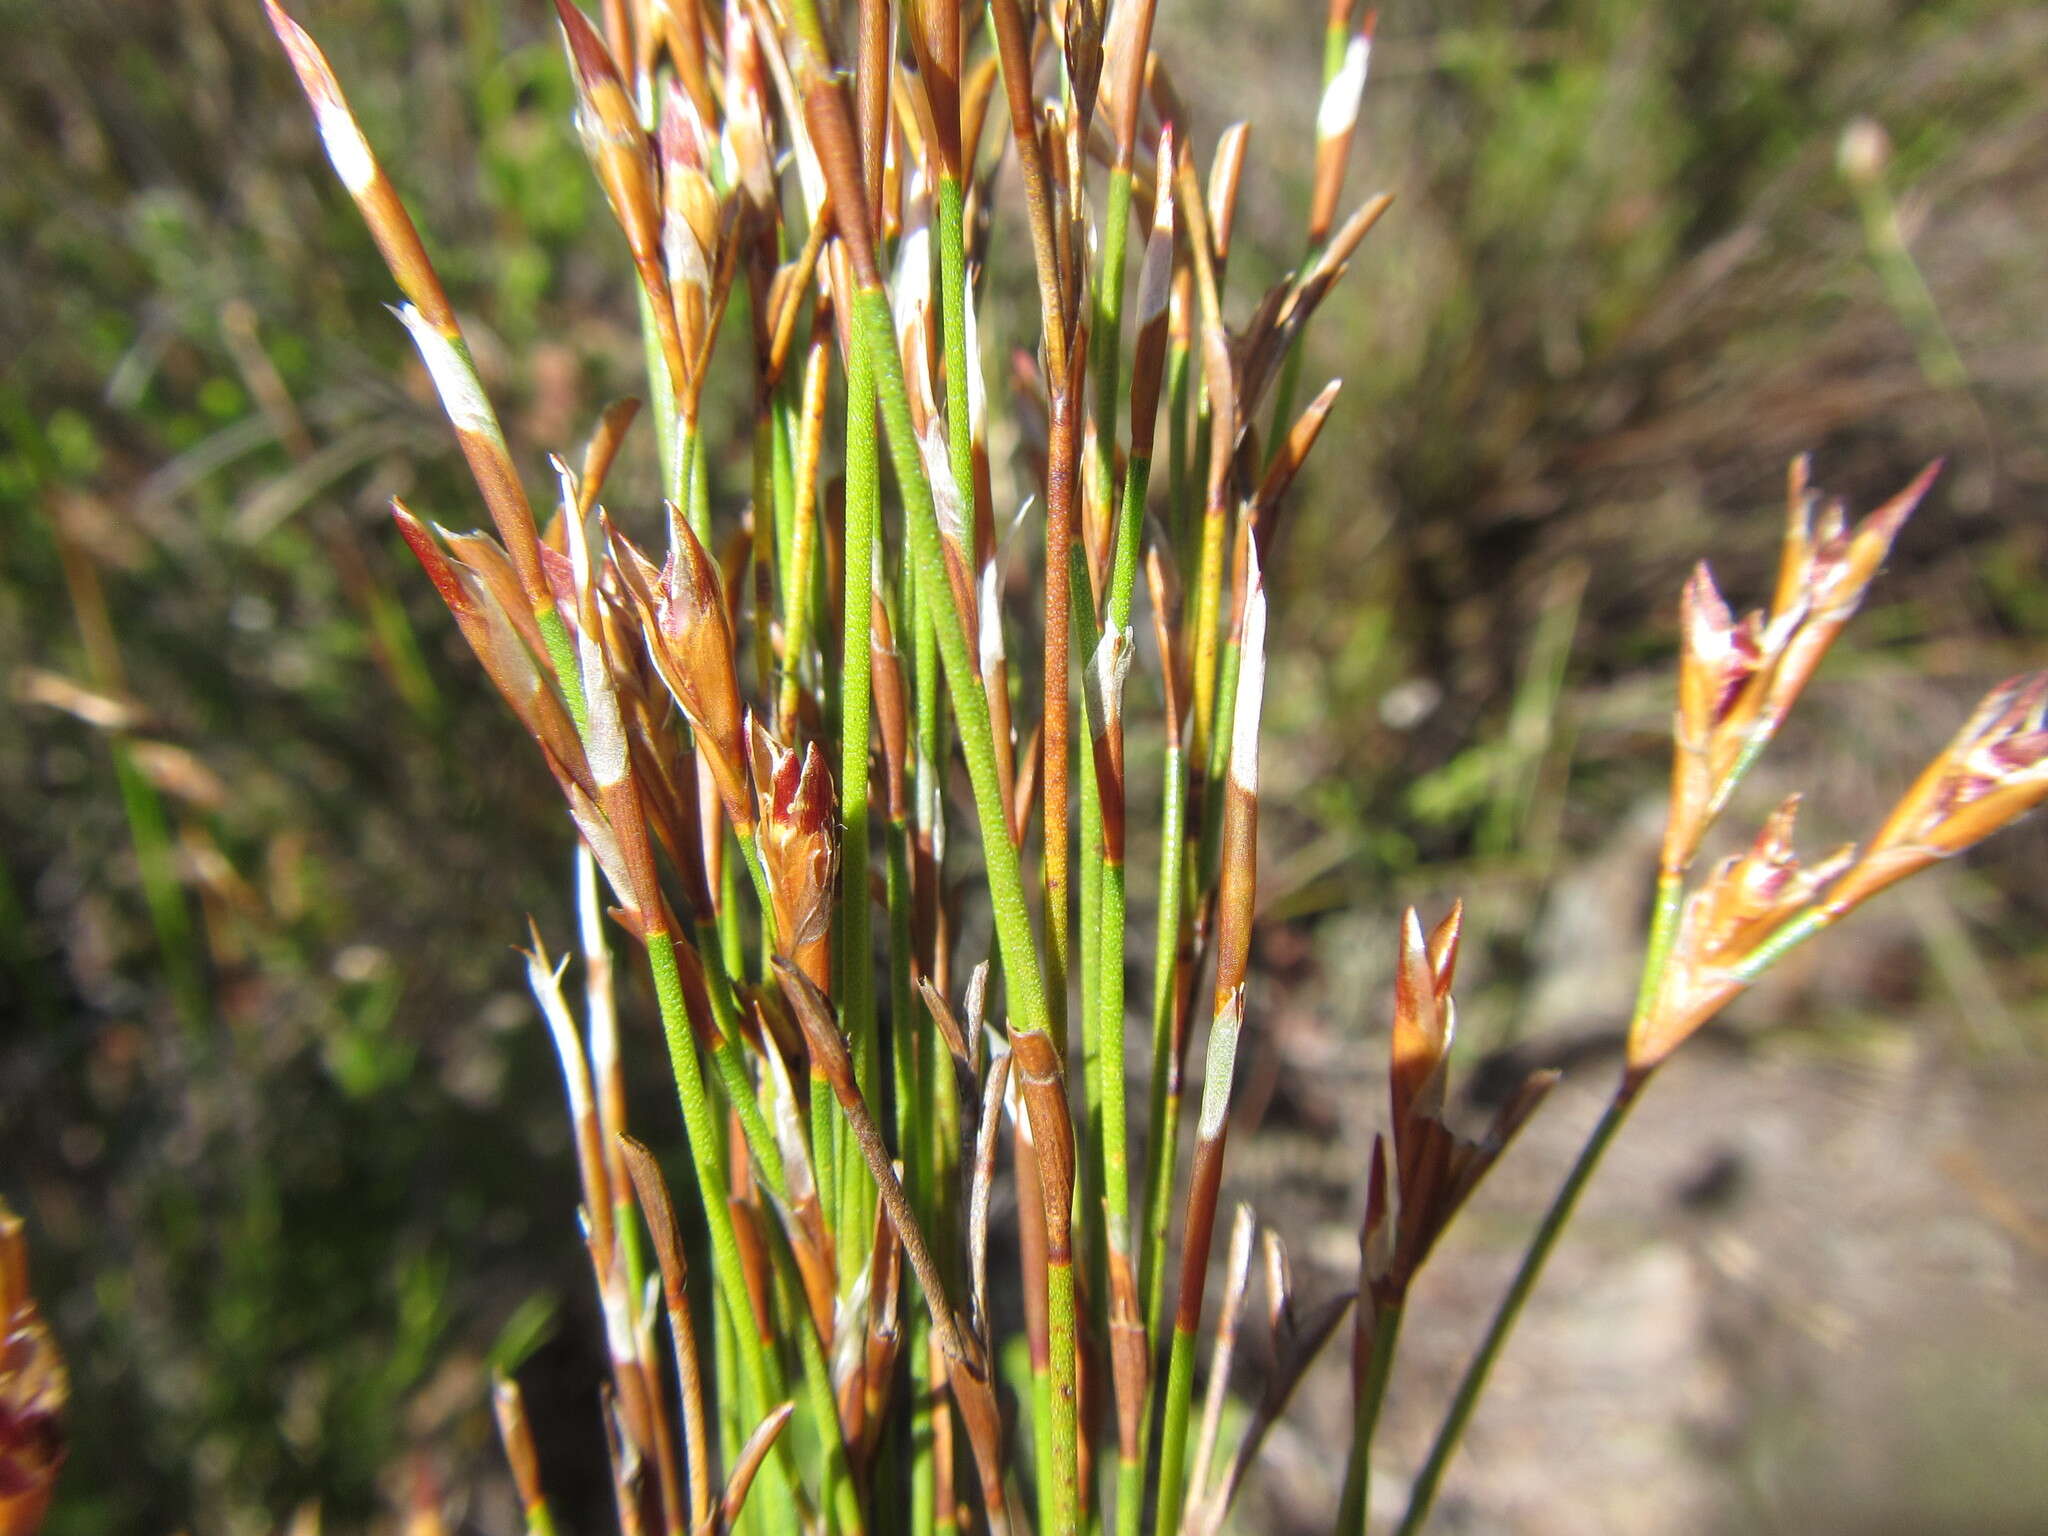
982	1193
746	1465
1237	1269
652	1189
545	981
509	1408
1293	1355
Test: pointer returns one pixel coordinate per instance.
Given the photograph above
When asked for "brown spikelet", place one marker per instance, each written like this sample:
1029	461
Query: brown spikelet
1433	1168
509	1407
688	630
621	154
799	848
652	1190
1738	679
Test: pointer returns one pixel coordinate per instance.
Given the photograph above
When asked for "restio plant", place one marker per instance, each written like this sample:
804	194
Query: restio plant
763	729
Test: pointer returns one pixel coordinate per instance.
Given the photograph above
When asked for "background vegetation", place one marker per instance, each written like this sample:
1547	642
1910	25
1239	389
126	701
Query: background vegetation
285	1132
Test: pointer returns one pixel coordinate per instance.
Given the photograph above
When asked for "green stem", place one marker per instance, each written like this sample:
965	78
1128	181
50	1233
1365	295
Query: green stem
927	802
1105	364
554	635
1090	1117
760	1373
1110	960
857	981
1907	289
837	1491
782	489
757	873
837	1488
1180	488
1064	1432
1219	759
970	703
1173	1433
1206	608
1784	939
825	1159
1357	1501
732	1071
1130	1493
1109	1028
1162	1116
697	484
732	943
924	1389
674	465
953	321
769	546
1473	1382
902	1031
1664	914
724	1377
911	1148
1290	382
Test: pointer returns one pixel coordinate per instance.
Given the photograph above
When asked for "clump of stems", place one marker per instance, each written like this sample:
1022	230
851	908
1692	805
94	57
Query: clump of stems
752	695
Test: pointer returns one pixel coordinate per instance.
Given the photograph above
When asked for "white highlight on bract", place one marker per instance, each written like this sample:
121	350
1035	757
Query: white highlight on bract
347	150
1109	668
604	740
1155	278
991	620
977	390
938	469
1219	1065
1339	109
454	375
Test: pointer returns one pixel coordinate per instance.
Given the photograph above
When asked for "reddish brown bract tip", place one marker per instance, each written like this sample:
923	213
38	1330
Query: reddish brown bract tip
1738	679
799	846
1434	1168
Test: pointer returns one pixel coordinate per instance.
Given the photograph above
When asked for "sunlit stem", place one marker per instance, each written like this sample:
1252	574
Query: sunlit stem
1356	1504
1473	1382
1064	1447
863	508
970	703
1173	1431
1162	1109
760	1373
1670	901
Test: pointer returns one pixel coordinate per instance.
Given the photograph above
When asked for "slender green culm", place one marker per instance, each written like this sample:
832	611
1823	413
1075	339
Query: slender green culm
1422	1494
1355	1507
970	704
1162	1109
760	1375
863	511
